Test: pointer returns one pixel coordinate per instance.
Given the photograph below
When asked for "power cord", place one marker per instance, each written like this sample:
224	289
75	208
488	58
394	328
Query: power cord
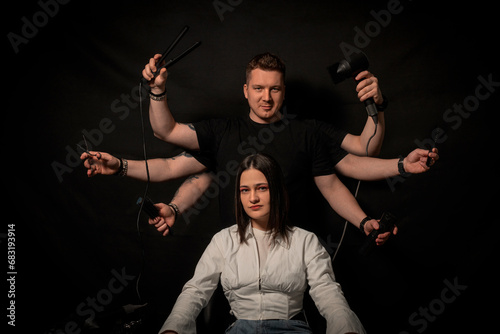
141	242
356	192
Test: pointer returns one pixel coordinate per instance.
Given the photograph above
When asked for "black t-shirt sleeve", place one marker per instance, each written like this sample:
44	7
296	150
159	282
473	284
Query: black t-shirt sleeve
335	134
209	133
333	137
322	164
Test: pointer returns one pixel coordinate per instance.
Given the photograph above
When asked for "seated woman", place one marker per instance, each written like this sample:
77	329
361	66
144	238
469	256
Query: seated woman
264	265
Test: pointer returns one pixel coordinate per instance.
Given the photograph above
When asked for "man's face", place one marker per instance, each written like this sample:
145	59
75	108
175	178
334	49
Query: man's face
265	92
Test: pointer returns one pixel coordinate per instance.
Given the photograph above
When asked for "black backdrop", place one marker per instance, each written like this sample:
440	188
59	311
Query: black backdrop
73	68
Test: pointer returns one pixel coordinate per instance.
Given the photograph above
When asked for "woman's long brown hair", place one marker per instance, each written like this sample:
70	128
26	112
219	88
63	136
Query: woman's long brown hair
278	215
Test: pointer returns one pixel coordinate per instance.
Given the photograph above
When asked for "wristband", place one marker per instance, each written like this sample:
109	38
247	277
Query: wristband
122	171
384	104
401	168
158	97
120	168
175	209
363	222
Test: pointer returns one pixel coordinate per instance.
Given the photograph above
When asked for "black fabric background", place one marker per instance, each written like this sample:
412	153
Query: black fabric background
80	71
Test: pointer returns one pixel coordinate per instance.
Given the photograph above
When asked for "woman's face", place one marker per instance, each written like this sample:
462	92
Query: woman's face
255	197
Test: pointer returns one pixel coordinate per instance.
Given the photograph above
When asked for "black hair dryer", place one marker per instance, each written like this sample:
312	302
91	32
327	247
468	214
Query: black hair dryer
349	69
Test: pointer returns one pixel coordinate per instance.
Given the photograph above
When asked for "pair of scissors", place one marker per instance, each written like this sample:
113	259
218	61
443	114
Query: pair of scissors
86	149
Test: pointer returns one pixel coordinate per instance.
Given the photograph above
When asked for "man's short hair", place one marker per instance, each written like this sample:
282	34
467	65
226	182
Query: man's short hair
267	62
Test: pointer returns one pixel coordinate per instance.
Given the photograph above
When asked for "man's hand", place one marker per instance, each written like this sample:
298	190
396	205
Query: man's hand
165	220
158	84
416	161
368	87
382	237
100	163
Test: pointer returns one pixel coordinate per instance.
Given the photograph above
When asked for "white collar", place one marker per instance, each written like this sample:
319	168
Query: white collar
278	239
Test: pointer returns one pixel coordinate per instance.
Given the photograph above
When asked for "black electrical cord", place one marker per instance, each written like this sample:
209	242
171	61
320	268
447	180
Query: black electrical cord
141	242
355	193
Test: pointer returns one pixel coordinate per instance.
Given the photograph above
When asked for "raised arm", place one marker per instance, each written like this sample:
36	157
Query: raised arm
356	144
163	123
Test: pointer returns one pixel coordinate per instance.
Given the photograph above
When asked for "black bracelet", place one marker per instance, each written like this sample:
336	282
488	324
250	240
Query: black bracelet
384	104
119	168
158	95
401	167
175	209
363	222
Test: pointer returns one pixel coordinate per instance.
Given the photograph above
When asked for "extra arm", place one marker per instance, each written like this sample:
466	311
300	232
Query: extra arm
343	202
372	169
367	88
185	197
340	198
357	144
159	169
162	121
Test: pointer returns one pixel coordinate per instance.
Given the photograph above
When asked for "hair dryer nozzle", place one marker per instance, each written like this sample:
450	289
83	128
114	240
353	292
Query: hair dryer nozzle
348	68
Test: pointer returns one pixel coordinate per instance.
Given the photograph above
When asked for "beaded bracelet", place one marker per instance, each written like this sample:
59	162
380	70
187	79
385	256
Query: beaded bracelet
157	97
175	209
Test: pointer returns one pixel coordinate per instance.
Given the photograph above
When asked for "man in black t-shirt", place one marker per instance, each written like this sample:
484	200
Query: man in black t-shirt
299	146
296	145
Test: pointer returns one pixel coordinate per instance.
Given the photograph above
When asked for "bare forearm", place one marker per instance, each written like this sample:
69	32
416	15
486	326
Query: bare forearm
158	170
375	144
340	198
357	144
162	121
167	129
191	190
165	169
160	116
370	169
367	168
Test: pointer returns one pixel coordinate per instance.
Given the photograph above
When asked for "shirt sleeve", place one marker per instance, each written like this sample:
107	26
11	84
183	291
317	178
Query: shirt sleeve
326	292
335	134
197	291
334	138
322	161
209	133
